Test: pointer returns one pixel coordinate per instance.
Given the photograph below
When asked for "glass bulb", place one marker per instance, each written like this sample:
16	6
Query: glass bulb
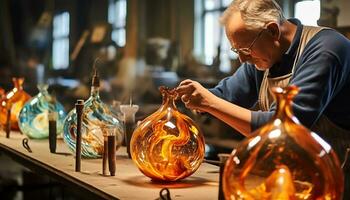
167	145
283	160
33	118
97	121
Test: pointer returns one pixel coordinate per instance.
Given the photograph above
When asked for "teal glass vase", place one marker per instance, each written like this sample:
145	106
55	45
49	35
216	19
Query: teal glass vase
98	121
33	117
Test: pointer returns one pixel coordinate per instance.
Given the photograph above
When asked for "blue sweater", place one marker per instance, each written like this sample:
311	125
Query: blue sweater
322	74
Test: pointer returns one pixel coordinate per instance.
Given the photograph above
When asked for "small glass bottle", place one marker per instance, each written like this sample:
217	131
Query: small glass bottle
129	112
33	118
283	160
14	100
96	115
167	145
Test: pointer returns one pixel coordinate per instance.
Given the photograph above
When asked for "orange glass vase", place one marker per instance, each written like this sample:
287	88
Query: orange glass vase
283	160
167	145
14	100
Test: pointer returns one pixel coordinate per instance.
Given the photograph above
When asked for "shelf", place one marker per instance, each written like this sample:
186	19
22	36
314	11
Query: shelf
129	182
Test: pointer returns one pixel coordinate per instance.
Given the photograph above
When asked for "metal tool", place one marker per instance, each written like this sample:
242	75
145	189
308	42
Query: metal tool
346	163
111	154
164	194
79	106
8	122
52	115
26	145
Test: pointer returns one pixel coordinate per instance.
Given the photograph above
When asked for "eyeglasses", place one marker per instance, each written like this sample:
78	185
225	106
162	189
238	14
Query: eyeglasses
247	51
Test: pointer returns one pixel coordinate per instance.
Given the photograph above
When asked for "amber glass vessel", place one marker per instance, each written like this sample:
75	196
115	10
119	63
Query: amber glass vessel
283	160
2	93
167	145
14	100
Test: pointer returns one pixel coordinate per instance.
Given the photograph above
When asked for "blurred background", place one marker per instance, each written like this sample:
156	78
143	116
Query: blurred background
141	45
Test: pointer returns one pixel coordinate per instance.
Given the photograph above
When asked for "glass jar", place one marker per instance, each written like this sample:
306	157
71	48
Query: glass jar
167	145
33	118
283	160
14	100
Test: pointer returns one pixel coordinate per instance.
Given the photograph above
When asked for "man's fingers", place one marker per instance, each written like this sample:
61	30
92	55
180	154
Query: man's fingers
184	89
186	82
185	99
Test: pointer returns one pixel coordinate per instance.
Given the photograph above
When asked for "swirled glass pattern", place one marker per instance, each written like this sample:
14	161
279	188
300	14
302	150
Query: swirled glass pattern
33	118
167	145
97	122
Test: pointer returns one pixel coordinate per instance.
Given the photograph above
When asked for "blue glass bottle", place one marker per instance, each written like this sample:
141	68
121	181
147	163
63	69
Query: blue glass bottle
33	117
98	122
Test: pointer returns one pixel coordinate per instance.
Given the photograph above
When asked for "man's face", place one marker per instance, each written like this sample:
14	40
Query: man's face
253	46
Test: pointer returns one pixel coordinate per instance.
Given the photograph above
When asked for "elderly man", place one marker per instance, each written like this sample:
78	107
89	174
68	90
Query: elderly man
279	52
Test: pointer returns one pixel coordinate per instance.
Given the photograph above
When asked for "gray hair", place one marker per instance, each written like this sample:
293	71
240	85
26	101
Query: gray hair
255	13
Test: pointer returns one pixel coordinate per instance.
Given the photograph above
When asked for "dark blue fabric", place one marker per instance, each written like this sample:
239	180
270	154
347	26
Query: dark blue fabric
322	74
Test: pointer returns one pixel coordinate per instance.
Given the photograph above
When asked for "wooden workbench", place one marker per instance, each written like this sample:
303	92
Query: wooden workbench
129	182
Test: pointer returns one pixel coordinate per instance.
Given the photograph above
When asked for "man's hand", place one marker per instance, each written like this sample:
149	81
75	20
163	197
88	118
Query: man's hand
195	96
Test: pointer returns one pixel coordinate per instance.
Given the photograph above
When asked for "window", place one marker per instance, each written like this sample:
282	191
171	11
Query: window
117	17
60	45
209	34
302	12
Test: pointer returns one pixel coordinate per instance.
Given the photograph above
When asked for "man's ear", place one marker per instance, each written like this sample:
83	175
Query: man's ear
274	30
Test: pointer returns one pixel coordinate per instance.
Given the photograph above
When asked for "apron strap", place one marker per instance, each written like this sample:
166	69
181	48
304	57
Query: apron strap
265	95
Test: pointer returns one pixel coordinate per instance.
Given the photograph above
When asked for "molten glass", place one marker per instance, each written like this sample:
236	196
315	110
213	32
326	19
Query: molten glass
14	100
167	145
33	118
283	160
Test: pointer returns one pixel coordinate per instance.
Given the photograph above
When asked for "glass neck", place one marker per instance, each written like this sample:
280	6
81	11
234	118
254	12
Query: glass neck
95	92
19	86
284	102
18	83
284	108
168	102
44	92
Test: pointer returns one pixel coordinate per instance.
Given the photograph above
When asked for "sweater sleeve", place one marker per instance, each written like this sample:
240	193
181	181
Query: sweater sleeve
240	88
